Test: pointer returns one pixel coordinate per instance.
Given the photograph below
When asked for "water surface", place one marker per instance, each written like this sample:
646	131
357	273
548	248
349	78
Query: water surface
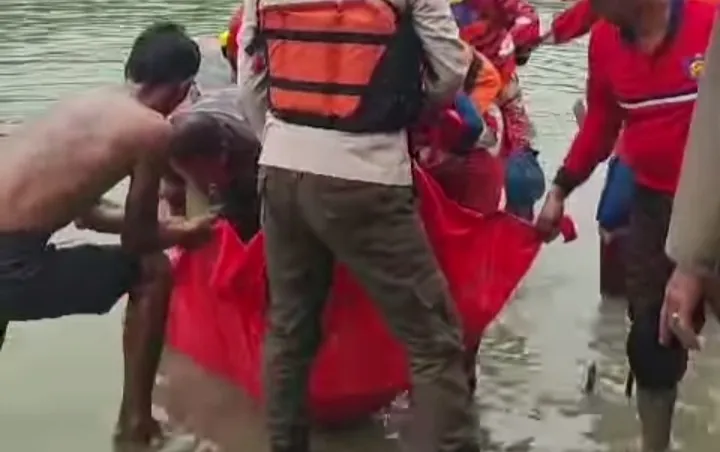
60	380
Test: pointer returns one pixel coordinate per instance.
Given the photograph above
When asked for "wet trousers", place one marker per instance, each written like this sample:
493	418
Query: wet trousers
648	270
310	222
519	130
657	369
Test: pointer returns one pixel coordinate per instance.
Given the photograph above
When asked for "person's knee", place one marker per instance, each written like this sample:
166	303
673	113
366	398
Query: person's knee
434	337
654	365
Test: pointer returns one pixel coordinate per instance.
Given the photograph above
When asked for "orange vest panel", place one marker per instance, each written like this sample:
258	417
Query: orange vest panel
337	65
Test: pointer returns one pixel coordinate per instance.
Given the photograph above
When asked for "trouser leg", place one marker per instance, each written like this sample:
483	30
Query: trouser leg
299	270
471	367
376	231
657	368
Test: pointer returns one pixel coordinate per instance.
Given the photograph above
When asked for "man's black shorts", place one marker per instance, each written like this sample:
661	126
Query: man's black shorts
39	281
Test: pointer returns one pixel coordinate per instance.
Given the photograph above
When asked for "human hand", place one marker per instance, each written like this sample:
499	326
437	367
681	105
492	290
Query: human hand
550	216
682	295
507	46
189	233
522	55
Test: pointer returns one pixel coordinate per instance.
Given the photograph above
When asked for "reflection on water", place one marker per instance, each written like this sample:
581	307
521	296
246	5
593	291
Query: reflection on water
61	379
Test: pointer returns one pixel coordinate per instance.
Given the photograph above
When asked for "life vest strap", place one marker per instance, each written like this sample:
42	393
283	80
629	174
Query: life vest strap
318	87
327	37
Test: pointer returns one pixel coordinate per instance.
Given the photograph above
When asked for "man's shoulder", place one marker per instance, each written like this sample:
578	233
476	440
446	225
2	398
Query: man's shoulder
136	126
605	39
152	132
700	16
603	32
704	9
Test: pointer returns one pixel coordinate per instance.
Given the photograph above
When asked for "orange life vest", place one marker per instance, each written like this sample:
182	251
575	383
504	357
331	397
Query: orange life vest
353	66
483	82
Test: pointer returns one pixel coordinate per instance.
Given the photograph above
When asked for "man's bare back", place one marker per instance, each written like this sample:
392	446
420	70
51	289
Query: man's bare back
56	168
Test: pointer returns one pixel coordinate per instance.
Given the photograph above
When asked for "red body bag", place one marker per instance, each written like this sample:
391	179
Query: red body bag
218	306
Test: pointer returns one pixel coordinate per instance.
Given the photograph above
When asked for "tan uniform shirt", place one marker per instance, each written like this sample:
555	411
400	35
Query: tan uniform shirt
382	157
694	237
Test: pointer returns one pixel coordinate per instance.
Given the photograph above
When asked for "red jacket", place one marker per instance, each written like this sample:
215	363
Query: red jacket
497	21
651	96
577	21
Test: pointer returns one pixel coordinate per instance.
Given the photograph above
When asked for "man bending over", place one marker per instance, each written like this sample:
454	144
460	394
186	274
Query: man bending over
54	170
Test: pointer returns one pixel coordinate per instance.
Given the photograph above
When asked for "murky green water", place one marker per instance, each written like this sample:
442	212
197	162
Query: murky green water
59	381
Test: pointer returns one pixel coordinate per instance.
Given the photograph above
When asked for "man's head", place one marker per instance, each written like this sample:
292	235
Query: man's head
163	63
200	150
623	13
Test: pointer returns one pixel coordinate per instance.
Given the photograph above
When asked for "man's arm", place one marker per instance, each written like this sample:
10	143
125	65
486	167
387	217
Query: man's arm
446	54
487	85
574	22
252	71
599	130
694	237
140	231
106	216
525	22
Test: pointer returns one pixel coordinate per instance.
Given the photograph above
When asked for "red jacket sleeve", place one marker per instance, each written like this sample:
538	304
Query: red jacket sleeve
572	23
524	22
599	130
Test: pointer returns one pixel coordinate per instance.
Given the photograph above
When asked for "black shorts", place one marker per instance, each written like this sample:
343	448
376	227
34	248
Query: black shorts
39	281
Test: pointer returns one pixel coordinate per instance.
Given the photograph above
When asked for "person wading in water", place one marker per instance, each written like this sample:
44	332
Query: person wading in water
645	59
345	83
55	170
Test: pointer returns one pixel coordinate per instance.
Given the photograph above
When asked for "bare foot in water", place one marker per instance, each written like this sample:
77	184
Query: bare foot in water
138	435
152	436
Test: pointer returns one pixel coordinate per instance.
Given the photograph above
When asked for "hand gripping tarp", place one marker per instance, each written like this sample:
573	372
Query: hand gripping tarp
219	301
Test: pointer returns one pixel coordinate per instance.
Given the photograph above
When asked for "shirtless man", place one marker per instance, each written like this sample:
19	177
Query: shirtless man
56	169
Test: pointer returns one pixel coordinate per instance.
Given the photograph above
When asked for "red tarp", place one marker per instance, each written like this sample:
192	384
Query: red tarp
218	305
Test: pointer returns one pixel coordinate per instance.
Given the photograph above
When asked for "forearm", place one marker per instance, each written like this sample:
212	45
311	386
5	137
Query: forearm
139	232
572	23
252	72
106	216
448	58
592	145
598	131
525	29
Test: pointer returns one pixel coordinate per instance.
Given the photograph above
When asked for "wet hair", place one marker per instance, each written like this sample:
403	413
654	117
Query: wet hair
197	133
163	53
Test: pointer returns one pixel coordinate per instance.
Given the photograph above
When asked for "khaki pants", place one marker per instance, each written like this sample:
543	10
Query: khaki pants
311	221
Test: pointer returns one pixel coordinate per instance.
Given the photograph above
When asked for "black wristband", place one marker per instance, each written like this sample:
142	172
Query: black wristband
565	181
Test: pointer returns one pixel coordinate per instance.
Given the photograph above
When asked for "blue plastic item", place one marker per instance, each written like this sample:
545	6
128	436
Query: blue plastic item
471	119
524	179
614	207
464	13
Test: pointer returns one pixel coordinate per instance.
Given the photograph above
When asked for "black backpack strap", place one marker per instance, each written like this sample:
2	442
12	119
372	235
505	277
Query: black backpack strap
476	65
